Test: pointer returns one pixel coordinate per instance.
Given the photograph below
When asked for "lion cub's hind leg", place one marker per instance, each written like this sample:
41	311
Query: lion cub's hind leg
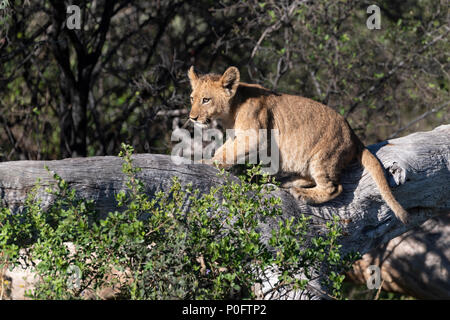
324	189
299	183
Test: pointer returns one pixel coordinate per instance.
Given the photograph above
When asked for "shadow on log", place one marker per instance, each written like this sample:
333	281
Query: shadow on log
417	263
417	167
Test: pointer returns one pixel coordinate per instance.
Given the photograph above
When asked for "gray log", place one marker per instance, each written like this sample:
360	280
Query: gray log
416	263
417	167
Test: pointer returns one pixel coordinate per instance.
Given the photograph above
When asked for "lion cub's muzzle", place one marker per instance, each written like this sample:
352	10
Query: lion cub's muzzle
204	123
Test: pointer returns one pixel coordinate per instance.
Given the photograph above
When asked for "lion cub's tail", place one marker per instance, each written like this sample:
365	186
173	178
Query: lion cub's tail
372	165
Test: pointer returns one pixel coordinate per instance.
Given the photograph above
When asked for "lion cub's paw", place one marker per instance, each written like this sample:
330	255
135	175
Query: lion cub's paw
299	195
287	185
205	161
223	165
215	163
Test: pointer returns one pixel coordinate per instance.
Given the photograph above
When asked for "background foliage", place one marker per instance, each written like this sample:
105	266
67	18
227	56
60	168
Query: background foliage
122	77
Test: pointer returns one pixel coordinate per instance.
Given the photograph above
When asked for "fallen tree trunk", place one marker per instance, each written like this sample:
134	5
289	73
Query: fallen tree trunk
417	167
417	263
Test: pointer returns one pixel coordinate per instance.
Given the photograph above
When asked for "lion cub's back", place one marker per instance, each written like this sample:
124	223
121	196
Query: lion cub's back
306	128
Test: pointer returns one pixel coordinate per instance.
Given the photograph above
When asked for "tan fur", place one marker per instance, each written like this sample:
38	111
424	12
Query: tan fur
315	142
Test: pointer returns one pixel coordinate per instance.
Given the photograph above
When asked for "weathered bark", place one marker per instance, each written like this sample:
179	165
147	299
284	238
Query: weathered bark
417	263
417	167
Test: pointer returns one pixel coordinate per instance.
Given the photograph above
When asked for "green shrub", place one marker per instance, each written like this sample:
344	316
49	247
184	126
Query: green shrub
175	245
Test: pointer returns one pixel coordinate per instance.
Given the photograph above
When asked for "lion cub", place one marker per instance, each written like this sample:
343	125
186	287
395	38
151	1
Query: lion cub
315	142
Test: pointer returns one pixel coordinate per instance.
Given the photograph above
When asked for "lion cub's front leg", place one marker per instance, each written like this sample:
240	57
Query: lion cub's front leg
230	152
220	156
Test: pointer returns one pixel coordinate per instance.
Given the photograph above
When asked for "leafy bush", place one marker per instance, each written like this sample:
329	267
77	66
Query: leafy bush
175	245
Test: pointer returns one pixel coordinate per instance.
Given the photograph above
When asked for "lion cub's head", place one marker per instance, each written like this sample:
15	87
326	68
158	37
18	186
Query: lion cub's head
211	95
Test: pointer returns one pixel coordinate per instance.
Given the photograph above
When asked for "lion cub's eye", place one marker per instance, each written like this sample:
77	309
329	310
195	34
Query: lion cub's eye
192	99
206	100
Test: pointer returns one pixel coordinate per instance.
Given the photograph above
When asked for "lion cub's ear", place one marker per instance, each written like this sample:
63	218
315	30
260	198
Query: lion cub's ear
193	77
230	80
